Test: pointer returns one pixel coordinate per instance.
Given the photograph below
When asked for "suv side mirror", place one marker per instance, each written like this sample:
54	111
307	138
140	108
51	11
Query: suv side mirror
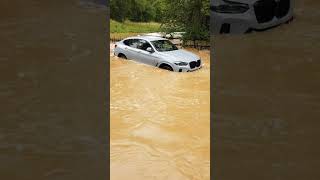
150	50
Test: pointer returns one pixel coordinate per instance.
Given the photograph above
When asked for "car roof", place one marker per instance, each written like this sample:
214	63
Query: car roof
149	38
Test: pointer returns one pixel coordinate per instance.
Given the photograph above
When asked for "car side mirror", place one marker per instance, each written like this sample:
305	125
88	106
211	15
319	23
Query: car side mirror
149	49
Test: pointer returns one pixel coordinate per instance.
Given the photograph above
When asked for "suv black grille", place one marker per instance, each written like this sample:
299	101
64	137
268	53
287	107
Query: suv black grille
283	8
193	64
198	63
265	10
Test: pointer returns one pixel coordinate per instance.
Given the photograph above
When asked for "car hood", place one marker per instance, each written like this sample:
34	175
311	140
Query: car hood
179	55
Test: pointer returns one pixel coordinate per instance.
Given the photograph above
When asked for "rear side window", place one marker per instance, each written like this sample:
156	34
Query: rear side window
131	42
127	42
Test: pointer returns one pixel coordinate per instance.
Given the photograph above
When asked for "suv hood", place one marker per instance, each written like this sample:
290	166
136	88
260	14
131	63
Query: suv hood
180	55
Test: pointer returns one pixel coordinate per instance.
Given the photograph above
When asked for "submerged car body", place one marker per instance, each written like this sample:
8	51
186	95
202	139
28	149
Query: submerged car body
241	16
158	52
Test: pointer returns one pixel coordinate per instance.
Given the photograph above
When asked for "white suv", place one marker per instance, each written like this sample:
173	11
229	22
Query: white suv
157	51
241	16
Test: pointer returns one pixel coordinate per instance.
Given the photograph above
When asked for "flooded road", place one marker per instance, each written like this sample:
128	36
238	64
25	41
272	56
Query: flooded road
266	100
160	122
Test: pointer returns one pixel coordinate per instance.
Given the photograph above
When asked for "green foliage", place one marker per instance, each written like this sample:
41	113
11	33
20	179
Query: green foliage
136	10
133	27
189	16
118	9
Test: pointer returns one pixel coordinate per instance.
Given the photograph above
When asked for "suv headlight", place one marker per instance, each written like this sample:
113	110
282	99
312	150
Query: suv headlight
181	63
230	7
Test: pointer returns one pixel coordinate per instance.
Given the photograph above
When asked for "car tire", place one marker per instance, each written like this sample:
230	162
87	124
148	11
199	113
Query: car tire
166	67
122	56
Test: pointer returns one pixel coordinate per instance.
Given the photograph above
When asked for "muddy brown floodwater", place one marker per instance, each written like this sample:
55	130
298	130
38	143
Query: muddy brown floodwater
160	124
266	100
52	91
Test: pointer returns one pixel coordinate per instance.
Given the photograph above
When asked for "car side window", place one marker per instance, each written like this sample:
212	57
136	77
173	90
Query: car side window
143	45
135	43
131	42
127	42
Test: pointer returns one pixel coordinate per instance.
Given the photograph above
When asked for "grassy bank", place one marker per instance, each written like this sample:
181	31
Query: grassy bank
122	30
133	27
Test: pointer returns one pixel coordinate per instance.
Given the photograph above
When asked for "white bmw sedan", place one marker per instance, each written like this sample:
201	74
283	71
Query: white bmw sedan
241	16
158	52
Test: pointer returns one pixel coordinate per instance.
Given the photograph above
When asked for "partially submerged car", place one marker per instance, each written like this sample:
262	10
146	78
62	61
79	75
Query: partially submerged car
158	52
241	16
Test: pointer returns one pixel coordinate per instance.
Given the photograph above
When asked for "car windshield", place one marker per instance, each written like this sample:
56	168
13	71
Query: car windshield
164	45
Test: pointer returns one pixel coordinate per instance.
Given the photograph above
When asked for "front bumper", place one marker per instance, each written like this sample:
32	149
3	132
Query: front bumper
242	23
186	68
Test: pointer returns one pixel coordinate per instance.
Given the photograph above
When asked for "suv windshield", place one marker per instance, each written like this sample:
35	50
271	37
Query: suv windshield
164	45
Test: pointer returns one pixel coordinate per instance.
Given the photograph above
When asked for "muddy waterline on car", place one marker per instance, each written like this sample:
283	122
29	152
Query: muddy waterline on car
159	121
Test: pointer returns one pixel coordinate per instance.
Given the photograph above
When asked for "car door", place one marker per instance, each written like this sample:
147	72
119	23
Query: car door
130	49
145	56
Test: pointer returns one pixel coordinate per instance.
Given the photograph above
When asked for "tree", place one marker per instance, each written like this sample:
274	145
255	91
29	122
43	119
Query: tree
118	10
190	16
136	10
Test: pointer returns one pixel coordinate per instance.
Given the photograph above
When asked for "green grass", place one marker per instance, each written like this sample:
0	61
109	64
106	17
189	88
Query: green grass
123	30
133	27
